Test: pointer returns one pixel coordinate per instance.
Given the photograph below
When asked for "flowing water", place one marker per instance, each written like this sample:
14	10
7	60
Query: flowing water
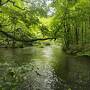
45	68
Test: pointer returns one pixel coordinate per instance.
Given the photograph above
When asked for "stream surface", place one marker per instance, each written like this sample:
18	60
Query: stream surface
45	68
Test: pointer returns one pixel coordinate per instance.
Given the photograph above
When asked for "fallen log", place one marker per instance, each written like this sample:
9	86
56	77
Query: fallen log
23	40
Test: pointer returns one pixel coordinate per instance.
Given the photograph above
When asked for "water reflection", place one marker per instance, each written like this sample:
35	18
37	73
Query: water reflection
73	73
43	69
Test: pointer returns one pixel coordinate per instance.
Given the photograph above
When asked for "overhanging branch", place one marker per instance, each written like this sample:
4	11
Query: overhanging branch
23	40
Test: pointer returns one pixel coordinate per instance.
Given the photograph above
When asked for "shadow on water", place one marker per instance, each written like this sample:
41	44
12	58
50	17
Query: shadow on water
43	69
73	73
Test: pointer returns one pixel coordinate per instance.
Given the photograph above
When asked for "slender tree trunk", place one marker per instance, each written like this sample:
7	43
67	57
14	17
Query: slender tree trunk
66	35
82	34
85	32
14	42
76	34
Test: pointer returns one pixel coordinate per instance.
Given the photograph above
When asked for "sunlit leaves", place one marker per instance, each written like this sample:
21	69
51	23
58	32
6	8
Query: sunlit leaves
22	19
71	20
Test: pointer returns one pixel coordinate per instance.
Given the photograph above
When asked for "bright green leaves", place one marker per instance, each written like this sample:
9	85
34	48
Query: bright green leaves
22	19
72	21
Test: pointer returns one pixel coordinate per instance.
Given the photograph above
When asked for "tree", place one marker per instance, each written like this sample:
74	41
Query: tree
19	17
72	19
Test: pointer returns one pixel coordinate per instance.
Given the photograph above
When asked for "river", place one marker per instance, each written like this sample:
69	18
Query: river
47	68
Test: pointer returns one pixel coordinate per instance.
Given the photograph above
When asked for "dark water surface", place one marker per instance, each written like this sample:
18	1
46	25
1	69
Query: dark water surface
45	68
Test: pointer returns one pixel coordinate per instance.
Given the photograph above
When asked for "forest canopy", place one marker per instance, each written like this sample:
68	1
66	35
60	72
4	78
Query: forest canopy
72	23
22	20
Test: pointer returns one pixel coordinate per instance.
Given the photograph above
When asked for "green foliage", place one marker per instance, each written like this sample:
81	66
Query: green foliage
18	18
27	19
72	20
44	30
37	7
14	77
